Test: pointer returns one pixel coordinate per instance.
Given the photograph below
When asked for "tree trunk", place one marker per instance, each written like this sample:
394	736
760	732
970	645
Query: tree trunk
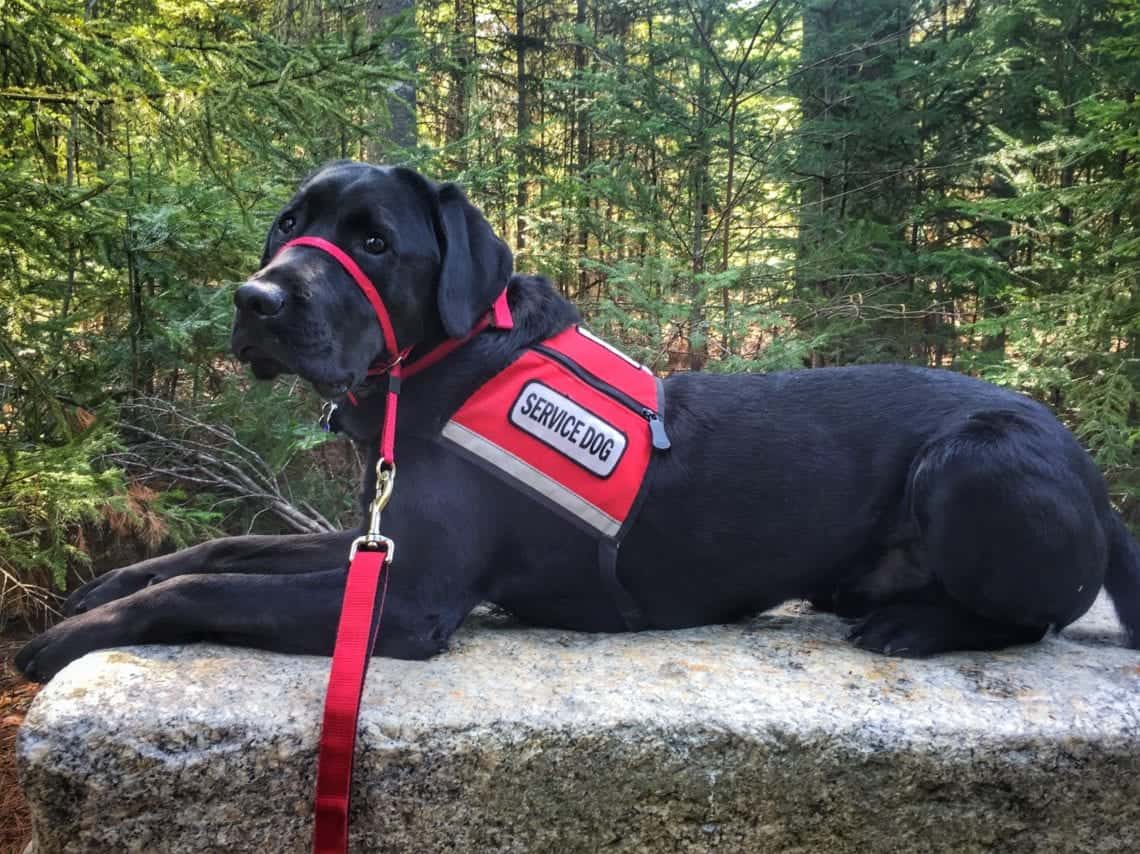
854	157
462	53
698	344
401	100
522	123
582	144
726	221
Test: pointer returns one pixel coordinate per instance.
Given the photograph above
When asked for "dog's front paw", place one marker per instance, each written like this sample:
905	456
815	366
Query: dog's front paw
47	654
116	584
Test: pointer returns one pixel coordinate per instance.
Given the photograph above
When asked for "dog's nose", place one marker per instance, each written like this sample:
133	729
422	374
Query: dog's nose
262	298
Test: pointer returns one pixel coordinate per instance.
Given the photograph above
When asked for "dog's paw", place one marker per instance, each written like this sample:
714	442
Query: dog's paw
897	630
920	629
48	653
116	584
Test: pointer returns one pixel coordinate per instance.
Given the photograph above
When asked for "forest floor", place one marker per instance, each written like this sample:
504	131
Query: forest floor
16	695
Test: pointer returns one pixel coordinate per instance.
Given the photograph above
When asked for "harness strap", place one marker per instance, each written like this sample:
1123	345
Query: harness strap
355	639
631	613
499	317
388	428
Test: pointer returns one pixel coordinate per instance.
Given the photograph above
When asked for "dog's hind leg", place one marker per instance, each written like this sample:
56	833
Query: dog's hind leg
1009	536
894	573
917	627
906	612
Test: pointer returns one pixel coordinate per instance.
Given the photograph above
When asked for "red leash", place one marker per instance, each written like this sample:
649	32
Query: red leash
368	561
354	642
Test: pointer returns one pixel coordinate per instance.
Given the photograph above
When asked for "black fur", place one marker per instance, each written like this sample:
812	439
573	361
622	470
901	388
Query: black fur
943	512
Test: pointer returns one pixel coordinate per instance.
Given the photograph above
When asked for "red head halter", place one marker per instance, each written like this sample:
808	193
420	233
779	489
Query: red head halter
362	282
499	317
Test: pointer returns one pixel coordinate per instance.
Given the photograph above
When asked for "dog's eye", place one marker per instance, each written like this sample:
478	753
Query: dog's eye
375	245
285	225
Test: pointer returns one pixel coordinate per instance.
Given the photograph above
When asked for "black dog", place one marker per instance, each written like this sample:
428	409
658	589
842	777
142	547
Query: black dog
947	513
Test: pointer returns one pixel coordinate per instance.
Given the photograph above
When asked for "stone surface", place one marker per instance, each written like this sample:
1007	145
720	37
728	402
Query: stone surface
771	735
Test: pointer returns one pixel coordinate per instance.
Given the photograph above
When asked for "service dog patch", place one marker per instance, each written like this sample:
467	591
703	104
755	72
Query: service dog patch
559	422
573	423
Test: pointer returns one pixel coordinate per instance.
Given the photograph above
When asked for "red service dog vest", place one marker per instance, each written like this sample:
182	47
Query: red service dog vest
572	422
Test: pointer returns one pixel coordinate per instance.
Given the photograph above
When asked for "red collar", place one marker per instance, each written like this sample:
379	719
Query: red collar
397	366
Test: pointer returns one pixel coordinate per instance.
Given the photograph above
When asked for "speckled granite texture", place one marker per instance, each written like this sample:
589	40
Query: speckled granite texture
773	735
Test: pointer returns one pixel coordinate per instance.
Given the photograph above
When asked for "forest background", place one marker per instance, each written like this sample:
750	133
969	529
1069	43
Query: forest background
721	186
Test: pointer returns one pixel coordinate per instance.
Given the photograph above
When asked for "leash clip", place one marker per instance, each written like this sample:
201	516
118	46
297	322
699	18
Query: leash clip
328	409
369	543
373	540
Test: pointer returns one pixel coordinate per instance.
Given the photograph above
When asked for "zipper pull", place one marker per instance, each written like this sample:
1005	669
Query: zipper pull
657	430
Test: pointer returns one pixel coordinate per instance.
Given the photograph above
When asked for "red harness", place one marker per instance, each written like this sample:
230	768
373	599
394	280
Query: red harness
572	422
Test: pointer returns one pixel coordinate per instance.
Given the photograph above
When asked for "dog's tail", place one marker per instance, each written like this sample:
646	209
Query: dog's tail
1122	580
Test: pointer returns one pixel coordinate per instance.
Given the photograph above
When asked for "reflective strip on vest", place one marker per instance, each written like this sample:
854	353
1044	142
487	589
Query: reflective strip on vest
540	425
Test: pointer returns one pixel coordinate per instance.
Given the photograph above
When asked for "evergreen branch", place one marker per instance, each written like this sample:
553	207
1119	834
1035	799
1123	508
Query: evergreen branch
82	99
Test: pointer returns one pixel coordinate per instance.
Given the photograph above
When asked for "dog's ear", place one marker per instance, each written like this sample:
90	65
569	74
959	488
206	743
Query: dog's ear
476	263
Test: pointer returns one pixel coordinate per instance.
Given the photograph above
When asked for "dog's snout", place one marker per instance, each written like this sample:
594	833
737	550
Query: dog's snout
260	297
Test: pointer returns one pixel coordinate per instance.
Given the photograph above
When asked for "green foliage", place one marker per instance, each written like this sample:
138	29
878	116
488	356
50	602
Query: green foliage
144	145
46	495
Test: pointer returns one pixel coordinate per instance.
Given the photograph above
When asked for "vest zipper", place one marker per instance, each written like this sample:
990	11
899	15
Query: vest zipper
656	427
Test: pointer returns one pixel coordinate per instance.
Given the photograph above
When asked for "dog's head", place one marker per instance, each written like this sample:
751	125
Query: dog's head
428	252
